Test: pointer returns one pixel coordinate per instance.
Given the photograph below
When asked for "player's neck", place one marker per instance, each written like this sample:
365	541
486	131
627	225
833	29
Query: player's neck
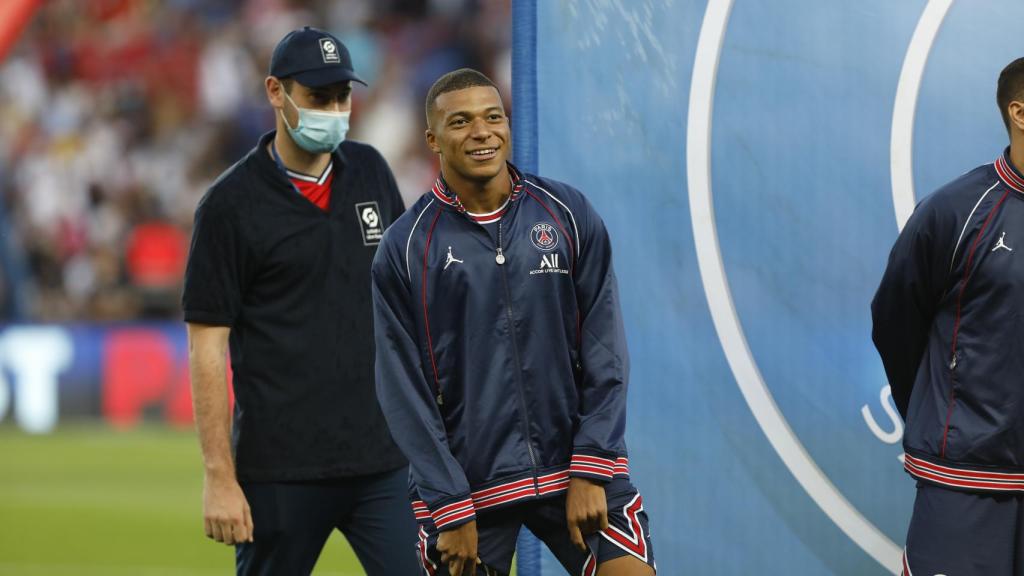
480	196
296	159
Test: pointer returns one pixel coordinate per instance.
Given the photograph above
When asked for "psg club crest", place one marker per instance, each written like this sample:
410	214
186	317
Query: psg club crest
544	237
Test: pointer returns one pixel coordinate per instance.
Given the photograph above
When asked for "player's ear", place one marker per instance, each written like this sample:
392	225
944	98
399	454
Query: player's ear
1016	110
432	141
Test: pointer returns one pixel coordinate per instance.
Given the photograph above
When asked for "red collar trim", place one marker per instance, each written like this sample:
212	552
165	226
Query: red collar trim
1009	175
319	180
443	194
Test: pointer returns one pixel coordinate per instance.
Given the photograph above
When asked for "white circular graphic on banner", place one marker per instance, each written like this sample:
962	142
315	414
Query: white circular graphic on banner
715	281
901	142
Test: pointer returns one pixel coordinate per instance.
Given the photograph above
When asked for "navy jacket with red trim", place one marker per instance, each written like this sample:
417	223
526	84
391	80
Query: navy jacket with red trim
949	326
500	380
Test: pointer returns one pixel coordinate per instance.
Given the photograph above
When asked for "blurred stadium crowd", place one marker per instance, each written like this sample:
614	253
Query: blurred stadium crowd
116	115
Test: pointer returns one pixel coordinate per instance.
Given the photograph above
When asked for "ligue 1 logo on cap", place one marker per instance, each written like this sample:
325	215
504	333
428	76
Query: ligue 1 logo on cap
544	237
329	50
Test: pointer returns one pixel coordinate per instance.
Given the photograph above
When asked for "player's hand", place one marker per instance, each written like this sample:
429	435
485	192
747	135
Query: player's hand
226	514
586	509
458	549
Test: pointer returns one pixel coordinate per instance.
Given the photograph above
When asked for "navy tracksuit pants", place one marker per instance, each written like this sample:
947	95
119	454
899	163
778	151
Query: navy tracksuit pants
955	533
292	521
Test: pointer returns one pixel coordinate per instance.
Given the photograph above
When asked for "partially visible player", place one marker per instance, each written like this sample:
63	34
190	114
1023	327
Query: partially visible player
948	326
279	271
502	363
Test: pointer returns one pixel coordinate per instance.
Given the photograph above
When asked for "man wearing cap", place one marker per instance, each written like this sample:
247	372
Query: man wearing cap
279	275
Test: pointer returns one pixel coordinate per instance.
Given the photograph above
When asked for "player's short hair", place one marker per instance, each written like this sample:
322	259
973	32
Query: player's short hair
455	80
287	84
1009	88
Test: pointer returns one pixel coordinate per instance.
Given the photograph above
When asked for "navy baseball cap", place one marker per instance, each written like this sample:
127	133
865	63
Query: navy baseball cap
313	58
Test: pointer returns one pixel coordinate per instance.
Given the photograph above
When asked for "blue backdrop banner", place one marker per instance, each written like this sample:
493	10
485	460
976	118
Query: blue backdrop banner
754	162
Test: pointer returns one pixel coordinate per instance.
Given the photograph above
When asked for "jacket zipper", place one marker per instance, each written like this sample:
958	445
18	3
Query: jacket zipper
500	260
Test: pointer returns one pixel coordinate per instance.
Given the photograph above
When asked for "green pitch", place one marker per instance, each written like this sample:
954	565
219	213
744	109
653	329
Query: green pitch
89	501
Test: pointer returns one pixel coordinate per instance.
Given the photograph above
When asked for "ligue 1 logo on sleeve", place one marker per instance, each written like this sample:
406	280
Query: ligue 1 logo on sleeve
544	237
368	214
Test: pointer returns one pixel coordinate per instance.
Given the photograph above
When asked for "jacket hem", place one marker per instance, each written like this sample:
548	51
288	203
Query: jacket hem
548	482
955	476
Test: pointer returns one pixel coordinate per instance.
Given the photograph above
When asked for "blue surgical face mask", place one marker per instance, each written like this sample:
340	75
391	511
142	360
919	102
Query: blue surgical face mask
318	132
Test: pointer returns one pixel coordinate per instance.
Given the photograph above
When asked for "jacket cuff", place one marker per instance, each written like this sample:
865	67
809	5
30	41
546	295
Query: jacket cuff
597	467
448	516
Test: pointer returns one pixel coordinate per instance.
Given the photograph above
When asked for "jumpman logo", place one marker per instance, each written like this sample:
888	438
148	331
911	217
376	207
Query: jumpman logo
451	259
1001	244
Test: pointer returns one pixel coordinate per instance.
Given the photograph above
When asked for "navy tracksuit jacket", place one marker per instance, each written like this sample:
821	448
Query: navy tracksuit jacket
499	381
949	326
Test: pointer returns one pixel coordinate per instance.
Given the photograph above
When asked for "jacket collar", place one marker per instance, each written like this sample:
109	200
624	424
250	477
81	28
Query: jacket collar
443	194
1007	173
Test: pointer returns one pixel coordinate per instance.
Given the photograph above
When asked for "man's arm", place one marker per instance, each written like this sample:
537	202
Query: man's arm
604	365
908	295
218	263
226	514
410	407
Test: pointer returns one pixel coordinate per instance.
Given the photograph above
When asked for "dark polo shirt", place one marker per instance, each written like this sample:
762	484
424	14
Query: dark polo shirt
293	283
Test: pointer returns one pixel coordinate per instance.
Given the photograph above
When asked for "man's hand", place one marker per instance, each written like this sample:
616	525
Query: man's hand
586	509
458	549
226	514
